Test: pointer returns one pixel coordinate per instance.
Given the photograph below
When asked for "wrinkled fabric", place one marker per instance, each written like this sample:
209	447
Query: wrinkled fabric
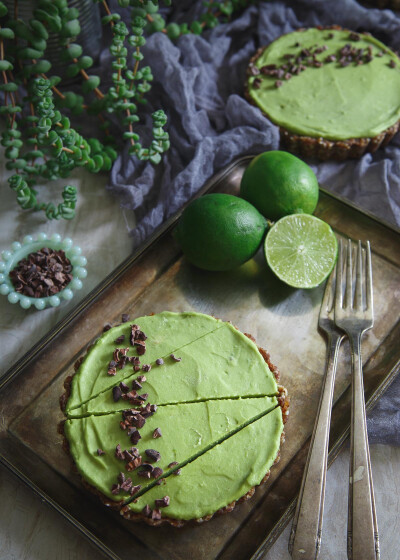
199	82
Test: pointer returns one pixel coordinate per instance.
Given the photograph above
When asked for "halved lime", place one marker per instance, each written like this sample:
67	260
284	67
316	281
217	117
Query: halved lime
301	250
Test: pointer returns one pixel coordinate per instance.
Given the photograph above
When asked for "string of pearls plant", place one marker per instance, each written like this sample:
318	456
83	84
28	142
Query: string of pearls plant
40	143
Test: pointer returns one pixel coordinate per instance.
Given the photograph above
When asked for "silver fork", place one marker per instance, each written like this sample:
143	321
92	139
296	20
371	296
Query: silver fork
355	315
305	536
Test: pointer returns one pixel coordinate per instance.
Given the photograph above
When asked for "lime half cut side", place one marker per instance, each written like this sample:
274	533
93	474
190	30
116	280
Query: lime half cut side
301	250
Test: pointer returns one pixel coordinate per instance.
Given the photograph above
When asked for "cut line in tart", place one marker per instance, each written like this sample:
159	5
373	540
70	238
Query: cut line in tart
178	423
332	92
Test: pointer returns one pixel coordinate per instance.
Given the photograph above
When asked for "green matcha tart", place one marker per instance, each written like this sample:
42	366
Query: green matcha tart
173	417
334	93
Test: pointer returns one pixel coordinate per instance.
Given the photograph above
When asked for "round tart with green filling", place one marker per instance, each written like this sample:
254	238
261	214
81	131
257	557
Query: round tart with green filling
334	93
174	417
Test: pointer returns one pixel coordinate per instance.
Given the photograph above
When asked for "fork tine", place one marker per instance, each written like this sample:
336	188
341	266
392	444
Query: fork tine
358	298
349	277
368	270
339	278
327	300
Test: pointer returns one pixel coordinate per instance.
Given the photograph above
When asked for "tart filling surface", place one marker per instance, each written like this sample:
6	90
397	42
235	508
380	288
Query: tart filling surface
329	83
190	409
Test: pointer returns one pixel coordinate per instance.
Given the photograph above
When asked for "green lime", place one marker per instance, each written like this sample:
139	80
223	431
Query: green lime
278	184
301	250
220	231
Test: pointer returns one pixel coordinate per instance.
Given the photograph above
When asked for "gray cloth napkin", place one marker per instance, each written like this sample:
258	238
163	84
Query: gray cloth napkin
199	83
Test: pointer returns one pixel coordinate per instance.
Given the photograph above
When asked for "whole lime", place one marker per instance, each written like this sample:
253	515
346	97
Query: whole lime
278	183
220	231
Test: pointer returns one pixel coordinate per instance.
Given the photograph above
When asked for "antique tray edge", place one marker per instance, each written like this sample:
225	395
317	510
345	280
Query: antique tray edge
16	368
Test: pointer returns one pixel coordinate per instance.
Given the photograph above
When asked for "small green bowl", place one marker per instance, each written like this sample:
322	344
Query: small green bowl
30	244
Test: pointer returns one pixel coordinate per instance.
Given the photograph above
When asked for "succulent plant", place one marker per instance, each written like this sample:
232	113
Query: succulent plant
40	143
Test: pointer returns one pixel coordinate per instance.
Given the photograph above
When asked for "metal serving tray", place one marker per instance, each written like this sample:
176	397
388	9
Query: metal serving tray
283	320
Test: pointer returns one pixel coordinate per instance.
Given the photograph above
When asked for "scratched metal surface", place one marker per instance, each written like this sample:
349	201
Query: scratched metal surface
283	321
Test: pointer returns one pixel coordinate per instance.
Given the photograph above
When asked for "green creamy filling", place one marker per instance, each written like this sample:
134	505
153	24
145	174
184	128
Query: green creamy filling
187	431
222	475
220	387
221	364
166	333
332	101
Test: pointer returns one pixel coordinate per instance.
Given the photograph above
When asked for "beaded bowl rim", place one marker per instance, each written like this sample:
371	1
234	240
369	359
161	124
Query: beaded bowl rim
30	243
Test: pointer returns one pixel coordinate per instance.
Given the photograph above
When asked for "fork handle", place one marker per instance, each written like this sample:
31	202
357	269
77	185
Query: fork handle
305	537
362	529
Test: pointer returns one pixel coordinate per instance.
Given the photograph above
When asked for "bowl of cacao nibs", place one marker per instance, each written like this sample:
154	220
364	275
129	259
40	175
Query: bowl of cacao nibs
41	271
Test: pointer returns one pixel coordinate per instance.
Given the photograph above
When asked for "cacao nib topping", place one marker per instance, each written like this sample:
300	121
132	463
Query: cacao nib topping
173	464
175	358
153	408
392	64
141	348
278	84
115	489
134	489
42	273
121	477
354	36
143	397
124	318
136	368
78	363
136	385
164	502
147	467
107	327
141	378
120	339
100	452
146	367
134	464
126	486
177	472
257	83
147	410
153	455
117	393
144	474
159	361
139	421
157	433
146	510
157	472
156	514
124	387
135	437
118	452
330	36
254	71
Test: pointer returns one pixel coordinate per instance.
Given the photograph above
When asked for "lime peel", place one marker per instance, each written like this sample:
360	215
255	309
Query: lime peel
301	250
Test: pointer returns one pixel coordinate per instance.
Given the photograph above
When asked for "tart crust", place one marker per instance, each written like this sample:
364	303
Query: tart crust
283	402
320	148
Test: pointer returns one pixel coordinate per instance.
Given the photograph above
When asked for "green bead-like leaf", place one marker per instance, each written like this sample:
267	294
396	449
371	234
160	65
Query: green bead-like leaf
3	9
29	53
39	28
109	18
12	152
54	80
71	28
85	62
155	159
72	71
92	83
8	87
74	50
196	28
42	67
173	30
6	33
124	3
5	65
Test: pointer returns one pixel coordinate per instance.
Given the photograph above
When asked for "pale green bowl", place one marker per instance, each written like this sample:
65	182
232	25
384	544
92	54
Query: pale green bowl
30	244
